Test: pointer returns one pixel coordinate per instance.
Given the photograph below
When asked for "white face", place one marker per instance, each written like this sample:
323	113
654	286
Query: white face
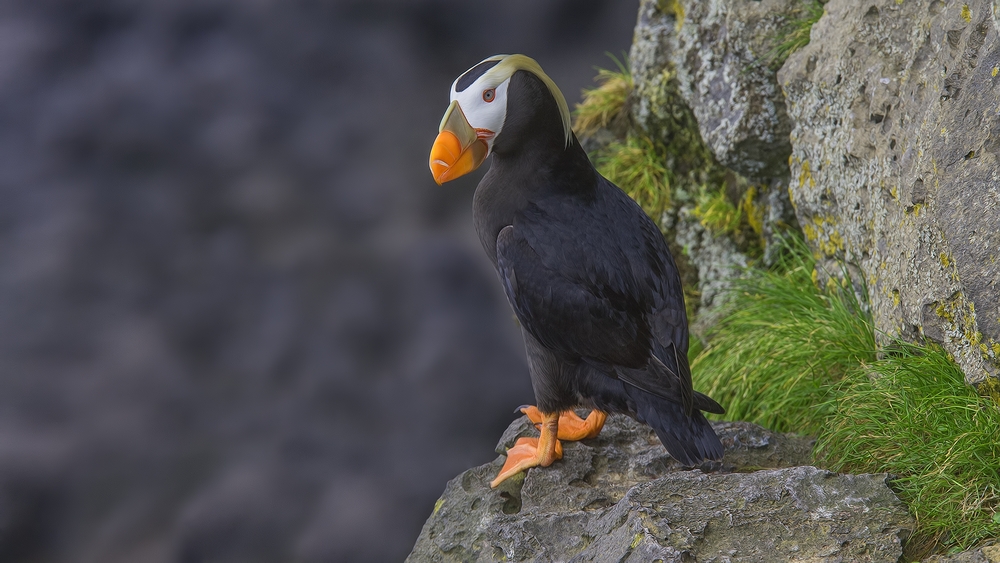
484	104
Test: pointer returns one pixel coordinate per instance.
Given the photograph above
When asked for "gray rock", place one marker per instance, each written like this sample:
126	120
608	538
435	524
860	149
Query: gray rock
895	164
704	89
717	258
620	497
985	554
717	51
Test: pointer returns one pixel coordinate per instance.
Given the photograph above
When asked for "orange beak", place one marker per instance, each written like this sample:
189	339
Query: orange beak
458	149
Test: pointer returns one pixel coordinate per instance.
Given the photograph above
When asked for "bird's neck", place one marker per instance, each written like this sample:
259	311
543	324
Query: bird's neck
517	180
531	161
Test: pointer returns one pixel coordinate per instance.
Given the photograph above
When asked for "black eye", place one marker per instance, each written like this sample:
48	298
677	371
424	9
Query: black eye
488	95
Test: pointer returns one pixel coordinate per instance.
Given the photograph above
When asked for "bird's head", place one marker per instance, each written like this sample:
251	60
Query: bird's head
478	111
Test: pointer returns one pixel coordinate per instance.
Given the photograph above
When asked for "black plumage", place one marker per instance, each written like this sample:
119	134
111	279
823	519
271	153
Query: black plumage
590	278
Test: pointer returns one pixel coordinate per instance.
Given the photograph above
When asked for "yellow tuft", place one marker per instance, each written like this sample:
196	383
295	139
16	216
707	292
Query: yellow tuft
602	105
966	13
509	64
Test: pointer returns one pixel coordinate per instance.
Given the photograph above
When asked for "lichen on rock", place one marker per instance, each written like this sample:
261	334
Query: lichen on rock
895	147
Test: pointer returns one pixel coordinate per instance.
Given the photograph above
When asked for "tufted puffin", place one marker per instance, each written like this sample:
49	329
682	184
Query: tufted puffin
588	274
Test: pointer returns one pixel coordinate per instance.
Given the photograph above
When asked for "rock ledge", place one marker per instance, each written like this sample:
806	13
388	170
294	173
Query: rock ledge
620	497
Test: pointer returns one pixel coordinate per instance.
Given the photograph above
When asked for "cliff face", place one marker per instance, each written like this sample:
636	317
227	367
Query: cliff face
882	130
620	497
895	166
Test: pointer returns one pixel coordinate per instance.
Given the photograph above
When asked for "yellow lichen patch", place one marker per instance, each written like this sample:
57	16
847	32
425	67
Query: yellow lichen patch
966	13
995	71
899	2
894	193
806	176
834	243
946	311
946	259
960	315
753	212
437	506
823	231
636	541
990	387
809	231
672	8
996	349
895	298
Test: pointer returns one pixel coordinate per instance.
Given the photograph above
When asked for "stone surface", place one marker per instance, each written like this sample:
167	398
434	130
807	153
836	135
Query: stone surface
620	497
703	88
895	166
717	50
985	554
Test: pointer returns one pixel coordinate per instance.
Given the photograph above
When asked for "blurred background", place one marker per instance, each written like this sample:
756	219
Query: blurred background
238	320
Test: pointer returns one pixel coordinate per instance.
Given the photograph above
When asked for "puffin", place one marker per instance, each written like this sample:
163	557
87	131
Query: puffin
588	274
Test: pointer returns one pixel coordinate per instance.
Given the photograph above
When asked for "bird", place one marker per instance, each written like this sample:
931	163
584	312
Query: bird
590	277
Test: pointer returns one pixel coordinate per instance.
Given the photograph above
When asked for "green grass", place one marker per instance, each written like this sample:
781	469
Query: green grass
638	166
716	213
912	414
605	103
797	357
795	33
782	344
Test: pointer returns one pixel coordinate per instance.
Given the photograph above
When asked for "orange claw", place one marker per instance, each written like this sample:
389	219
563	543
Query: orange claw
532	452
571	426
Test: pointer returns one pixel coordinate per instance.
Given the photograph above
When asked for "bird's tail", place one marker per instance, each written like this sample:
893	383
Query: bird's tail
689	439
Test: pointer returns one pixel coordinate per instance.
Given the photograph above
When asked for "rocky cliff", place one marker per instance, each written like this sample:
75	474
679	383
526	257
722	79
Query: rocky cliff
620	497
881	132
895	168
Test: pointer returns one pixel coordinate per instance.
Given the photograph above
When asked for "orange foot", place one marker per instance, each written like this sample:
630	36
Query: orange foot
533	452
571	426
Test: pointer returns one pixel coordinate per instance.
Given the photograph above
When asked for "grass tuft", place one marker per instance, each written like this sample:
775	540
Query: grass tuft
782	344
716	213
638	165
605	103
795	33
912	414
797	357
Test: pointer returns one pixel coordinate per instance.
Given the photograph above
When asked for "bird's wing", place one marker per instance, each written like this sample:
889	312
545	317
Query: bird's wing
582	284
569	311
